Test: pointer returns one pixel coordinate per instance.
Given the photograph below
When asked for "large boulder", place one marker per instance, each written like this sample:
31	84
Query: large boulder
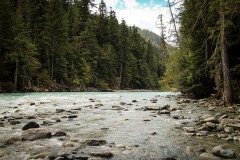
222	151
36	133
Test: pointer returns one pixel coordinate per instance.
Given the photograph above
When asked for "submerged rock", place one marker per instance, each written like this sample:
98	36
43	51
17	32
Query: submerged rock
41	155
36	133
14	122
94	142
104	154
60	134
12	140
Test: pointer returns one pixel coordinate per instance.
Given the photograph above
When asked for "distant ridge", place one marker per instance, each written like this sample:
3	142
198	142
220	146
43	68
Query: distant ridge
155	39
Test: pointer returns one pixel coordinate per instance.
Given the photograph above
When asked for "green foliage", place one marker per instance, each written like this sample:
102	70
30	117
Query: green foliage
195	67
45	43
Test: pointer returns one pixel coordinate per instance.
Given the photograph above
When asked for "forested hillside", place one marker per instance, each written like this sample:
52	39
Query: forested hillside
62	45
208	59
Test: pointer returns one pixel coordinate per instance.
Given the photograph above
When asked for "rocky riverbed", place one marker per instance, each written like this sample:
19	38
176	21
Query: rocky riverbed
118	125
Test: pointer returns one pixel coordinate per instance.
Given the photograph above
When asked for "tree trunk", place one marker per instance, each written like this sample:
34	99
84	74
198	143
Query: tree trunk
174	23
121	70
227	93
16	74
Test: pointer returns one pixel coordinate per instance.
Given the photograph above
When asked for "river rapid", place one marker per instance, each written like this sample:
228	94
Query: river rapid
119	120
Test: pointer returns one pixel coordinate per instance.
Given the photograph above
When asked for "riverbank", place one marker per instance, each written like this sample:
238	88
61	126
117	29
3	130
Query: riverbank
116	125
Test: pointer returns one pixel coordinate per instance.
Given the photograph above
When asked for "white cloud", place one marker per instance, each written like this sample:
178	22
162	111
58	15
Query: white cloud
143	15
144	18
131	3
111	3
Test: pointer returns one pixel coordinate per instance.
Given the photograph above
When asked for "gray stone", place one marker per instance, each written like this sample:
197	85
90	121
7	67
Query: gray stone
223	152
152	107
104	154
208	156
189	129
12	140
202	133
211	119
14	122
229	130
211	125
36	133
116	107
194	150
222	135
165	111
60	134
234	126
94	142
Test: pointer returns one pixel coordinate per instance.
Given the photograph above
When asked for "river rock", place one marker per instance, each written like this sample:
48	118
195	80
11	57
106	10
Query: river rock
36	133
223	152
152	107
219	103
60	110
134	101
99	105
183	101
56	119
234	126
211	119
189	129
68	144
211	108
194	150
94	142
12	140
41	155
226	121
116	107
30	124
222	135
60	134
31	117
229	130
165	111
211	125
177	116
32	103
154	100
14	122
3	154
104	154
208	156
169	158
72	116
1	124
202	133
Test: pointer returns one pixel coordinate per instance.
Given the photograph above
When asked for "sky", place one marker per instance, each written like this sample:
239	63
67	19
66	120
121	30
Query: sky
141	13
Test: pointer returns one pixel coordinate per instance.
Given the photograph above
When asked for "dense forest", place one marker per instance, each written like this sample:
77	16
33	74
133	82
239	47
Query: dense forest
55	45
76	45
207	60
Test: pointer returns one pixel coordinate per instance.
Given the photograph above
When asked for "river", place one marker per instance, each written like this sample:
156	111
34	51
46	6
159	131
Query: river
116	117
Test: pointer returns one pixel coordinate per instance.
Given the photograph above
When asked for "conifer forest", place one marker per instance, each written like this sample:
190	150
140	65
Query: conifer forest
75	45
